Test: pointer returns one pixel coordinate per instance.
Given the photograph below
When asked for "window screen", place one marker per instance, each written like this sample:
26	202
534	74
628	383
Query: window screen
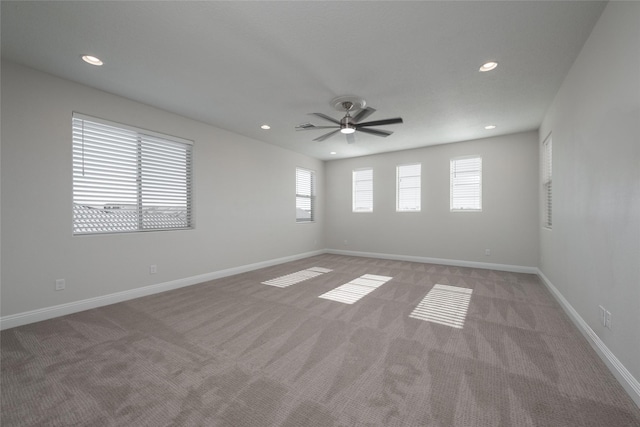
305	195
408	188
466	184
546	182
127	179
363	190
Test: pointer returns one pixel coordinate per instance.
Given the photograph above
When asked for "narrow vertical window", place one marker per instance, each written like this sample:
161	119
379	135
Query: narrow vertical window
546	182
363	190
127	179
466	184
305	195
408	188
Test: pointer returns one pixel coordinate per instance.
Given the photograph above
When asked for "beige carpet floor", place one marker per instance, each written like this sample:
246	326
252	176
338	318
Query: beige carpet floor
235	352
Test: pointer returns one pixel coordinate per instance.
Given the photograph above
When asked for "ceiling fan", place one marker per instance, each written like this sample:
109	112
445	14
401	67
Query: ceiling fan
348	125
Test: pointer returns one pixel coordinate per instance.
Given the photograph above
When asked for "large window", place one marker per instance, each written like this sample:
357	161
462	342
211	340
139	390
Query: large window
546	182
466	184
305	195
363	190
408	188
127	179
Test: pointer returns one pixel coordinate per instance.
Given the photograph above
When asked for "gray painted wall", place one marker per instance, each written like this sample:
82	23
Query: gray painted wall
507	225
592	254
244	200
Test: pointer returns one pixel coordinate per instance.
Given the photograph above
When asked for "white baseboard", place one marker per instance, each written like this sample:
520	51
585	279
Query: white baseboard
442	261
38	315
624	377
27	317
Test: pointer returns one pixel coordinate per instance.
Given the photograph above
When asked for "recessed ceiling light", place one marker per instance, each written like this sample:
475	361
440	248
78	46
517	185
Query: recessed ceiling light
333	152
92	60
488	66
489	127
265	127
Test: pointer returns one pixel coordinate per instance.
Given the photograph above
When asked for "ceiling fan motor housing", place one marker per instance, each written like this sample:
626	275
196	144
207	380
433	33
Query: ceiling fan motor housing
346	124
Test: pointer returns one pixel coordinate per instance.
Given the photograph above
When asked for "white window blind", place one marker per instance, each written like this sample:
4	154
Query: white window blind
546	182
305	195
363	190
466	184
127	179
408	188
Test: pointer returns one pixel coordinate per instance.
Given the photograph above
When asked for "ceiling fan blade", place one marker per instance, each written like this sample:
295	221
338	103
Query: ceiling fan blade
363	114
327	135
380	122
324	116
351	138
317	127
376	132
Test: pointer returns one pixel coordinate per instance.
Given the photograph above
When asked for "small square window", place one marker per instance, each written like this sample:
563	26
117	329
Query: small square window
408	179
363	190
466	184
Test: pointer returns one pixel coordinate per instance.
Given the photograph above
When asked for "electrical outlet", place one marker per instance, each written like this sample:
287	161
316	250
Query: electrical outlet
607	320
487	252
61	284
346	242
602	315
153	269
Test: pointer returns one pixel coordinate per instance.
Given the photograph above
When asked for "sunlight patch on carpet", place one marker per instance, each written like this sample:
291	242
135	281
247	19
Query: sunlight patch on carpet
356	289
446	305
297	277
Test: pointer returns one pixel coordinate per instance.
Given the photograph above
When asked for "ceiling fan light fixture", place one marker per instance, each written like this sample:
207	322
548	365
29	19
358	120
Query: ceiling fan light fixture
347	130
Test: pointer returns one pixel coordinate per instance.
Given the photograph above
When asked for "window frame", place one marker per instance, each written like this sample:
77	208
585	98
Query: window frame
453	185
126	179
311	196
399	188
547	183
356	194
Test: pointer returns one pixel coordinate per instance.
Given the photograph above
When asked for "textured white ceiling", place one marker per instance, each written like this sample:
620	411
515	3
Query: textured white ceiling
237	65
